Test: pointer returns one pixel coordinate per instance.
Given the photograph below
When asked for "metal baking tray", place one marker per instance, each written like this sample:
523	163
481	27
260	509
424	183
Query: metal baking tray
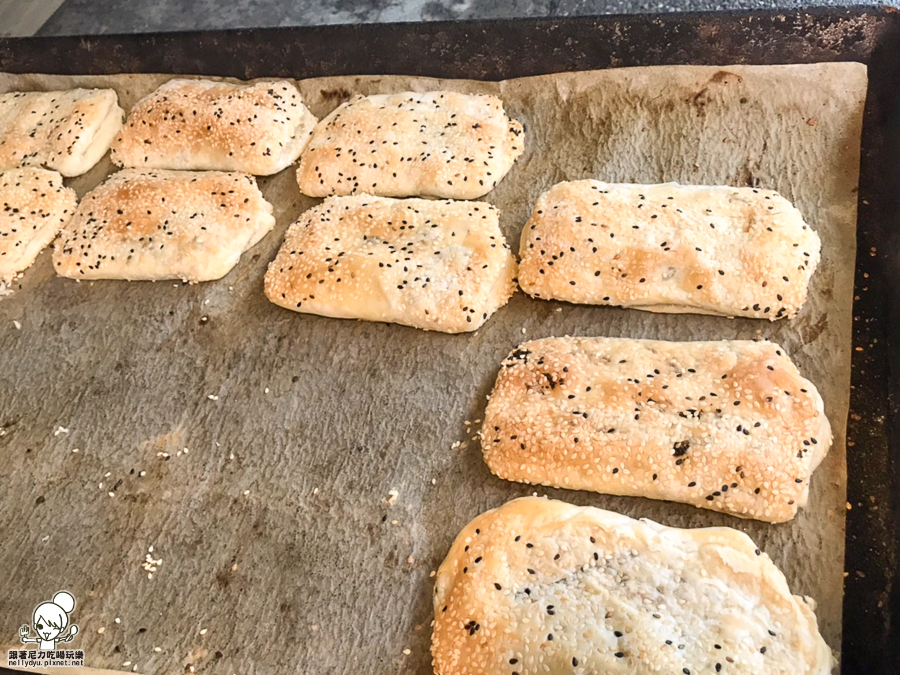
500	49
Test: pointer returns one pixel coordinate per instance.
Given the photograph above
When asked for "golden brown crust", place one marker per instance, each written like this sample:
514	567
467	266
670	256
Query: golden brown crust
729	426
208	125
435	265
154	225
68	131
540	586
716	250
34	206
437	144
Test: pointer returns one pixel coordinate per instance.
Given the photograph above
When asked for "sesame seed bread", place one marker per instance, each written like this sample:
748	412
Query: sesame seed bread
438	144
36	205
541	586
68	131
435	265
669	248
206	125
729	426
152	225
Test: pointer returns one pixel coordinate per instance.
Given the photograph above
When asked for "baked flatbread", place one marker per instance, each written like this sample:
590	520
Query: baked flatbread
68	131
163	225
539	586
438	144
206	125
436	265
729	426
669	248
34	205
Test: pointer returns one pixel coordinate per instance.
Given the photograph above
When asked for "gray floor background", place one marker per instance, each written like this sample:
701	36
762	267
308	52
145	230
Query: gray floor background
92	17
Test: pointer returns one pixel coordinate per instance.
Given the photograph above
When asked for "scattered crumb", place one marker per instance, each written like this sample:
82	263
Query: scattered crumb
150	565
431	574
811	122
60	430
849	506
203	631
74	449
157	649
246	492
411	560
17	325
392	497
101	630
213	397
111	494
127	663
406	652
314	626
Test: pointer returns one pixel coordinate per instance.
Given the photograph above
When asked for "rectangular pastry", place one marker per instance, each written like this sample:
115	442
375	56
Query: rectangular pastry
435	265
730	426
669	248
68	131
438	144
540	586
153	225
207	125
35	205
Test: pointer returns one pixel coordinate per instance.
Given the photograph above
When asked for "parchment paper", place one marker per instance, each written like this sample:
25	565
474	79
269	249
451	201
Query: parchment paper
286	433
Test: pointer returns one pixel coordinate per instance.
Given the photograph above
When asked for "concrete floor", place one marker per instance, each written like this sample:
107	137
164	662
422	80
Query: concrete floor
84	17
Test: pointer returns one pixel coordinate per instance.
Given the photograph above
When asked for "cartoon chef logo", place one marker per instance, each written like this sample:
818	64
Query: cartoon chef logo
50	621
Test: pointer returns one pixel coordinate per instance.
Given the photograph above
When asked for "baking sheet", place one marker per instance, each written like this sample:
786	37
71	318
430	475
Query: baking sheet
276	530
